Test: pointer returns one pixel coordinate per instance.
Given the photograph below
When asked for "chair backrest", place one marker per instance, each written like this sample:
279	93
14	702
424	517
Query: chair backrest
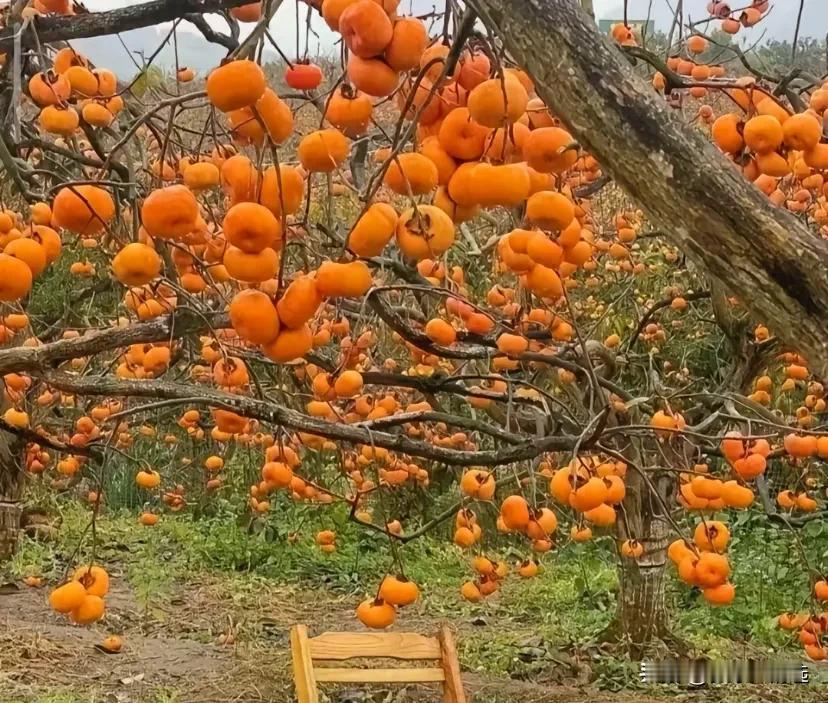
341	646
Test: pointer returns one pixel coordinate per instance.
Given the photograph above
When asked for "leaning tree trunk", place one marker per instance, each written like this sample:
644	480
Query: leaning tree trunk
761	253
11	493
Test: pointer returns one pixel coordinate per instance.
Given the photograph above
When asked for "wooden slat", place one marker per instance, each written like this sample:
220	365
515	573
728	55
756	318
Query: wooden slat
380	675
453	687
303	674
339	646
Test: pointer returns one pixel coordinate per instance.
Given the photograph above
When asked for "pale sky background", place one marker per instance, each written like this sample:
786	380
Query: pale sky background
193	50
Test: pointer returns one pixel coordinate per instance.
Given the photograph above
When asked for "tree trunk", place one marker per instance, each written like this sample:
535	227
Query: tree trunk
761	253
641	616
11	493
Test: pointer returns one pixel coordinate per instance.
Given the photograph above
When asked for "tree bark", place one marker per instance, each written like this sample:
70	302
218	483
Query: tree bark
705	206
641	615
11	493
96	24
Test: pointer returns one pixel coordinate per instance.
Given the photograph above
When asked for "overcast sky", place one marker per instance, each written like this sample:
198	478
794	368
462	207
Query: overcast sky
779	25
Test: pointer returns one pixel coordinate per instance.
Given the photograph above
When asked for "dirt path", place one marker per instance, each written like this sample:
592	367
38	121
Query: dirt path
209	642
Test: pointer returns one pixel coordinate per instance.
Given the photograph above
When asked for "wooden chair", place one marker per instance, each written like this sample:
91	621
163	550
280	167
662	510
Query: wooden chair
341	646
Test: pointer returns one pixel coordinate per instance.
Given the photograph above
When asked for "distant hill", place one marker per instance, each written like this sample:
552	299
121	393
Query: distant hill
193	51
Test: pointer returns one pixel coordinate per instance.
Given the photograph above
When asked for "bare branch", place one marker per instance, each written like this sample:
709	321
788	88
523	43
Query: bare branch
38	359
54	28
296	421
210	34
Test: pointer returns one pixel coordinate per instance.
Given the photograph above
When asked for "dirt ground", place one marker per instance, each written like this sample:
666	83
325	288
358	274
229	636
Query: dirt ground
207	643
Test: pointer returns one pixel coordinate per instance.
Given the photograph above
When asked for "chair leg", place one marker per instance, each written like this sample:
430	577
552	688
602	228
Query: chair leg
453	686
302	665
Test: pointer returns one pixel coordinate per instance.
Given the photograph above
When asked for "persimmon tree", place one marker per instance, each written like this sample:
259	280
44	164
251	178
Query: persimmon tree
456	253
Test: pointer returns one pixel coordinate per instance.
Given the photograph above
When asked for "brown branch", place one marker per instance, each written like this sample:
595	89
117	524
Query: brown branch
53	28
296	421
467	350
39	359
466	423
211	35
589	189
33	436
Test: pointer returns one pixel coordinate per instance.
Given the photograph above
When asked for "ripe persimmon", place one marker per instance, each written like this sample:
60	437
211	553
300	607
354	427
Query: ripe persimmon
323	150
411	173
376	614
94	579
424	233
495	102
711	569
479	484
763	134
84	209
723	594
460	136
398	591
67	597
251	268
365	28
372	76
349	111
291	344
373	230
112	644
90	609
515	512
235	85
409	39
550	210
136	264
170	213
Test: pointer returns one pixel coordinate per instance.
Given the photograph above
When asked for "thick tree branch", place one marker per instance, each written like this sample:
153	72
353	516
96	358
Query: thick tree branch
35	437
38	359
54	28
296	421
761	253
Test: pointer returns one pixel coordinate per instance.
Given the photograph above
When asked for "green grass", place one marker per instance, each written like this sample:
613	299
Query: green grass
570	602
541	630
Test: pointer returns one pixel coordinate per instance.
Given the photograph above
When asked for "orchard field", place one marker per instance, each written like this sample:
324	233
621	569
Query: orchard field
468	315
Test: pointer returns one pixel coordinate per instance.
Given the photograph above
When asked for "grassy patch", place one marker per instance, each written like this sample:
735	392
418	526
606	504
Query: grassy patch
519	633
